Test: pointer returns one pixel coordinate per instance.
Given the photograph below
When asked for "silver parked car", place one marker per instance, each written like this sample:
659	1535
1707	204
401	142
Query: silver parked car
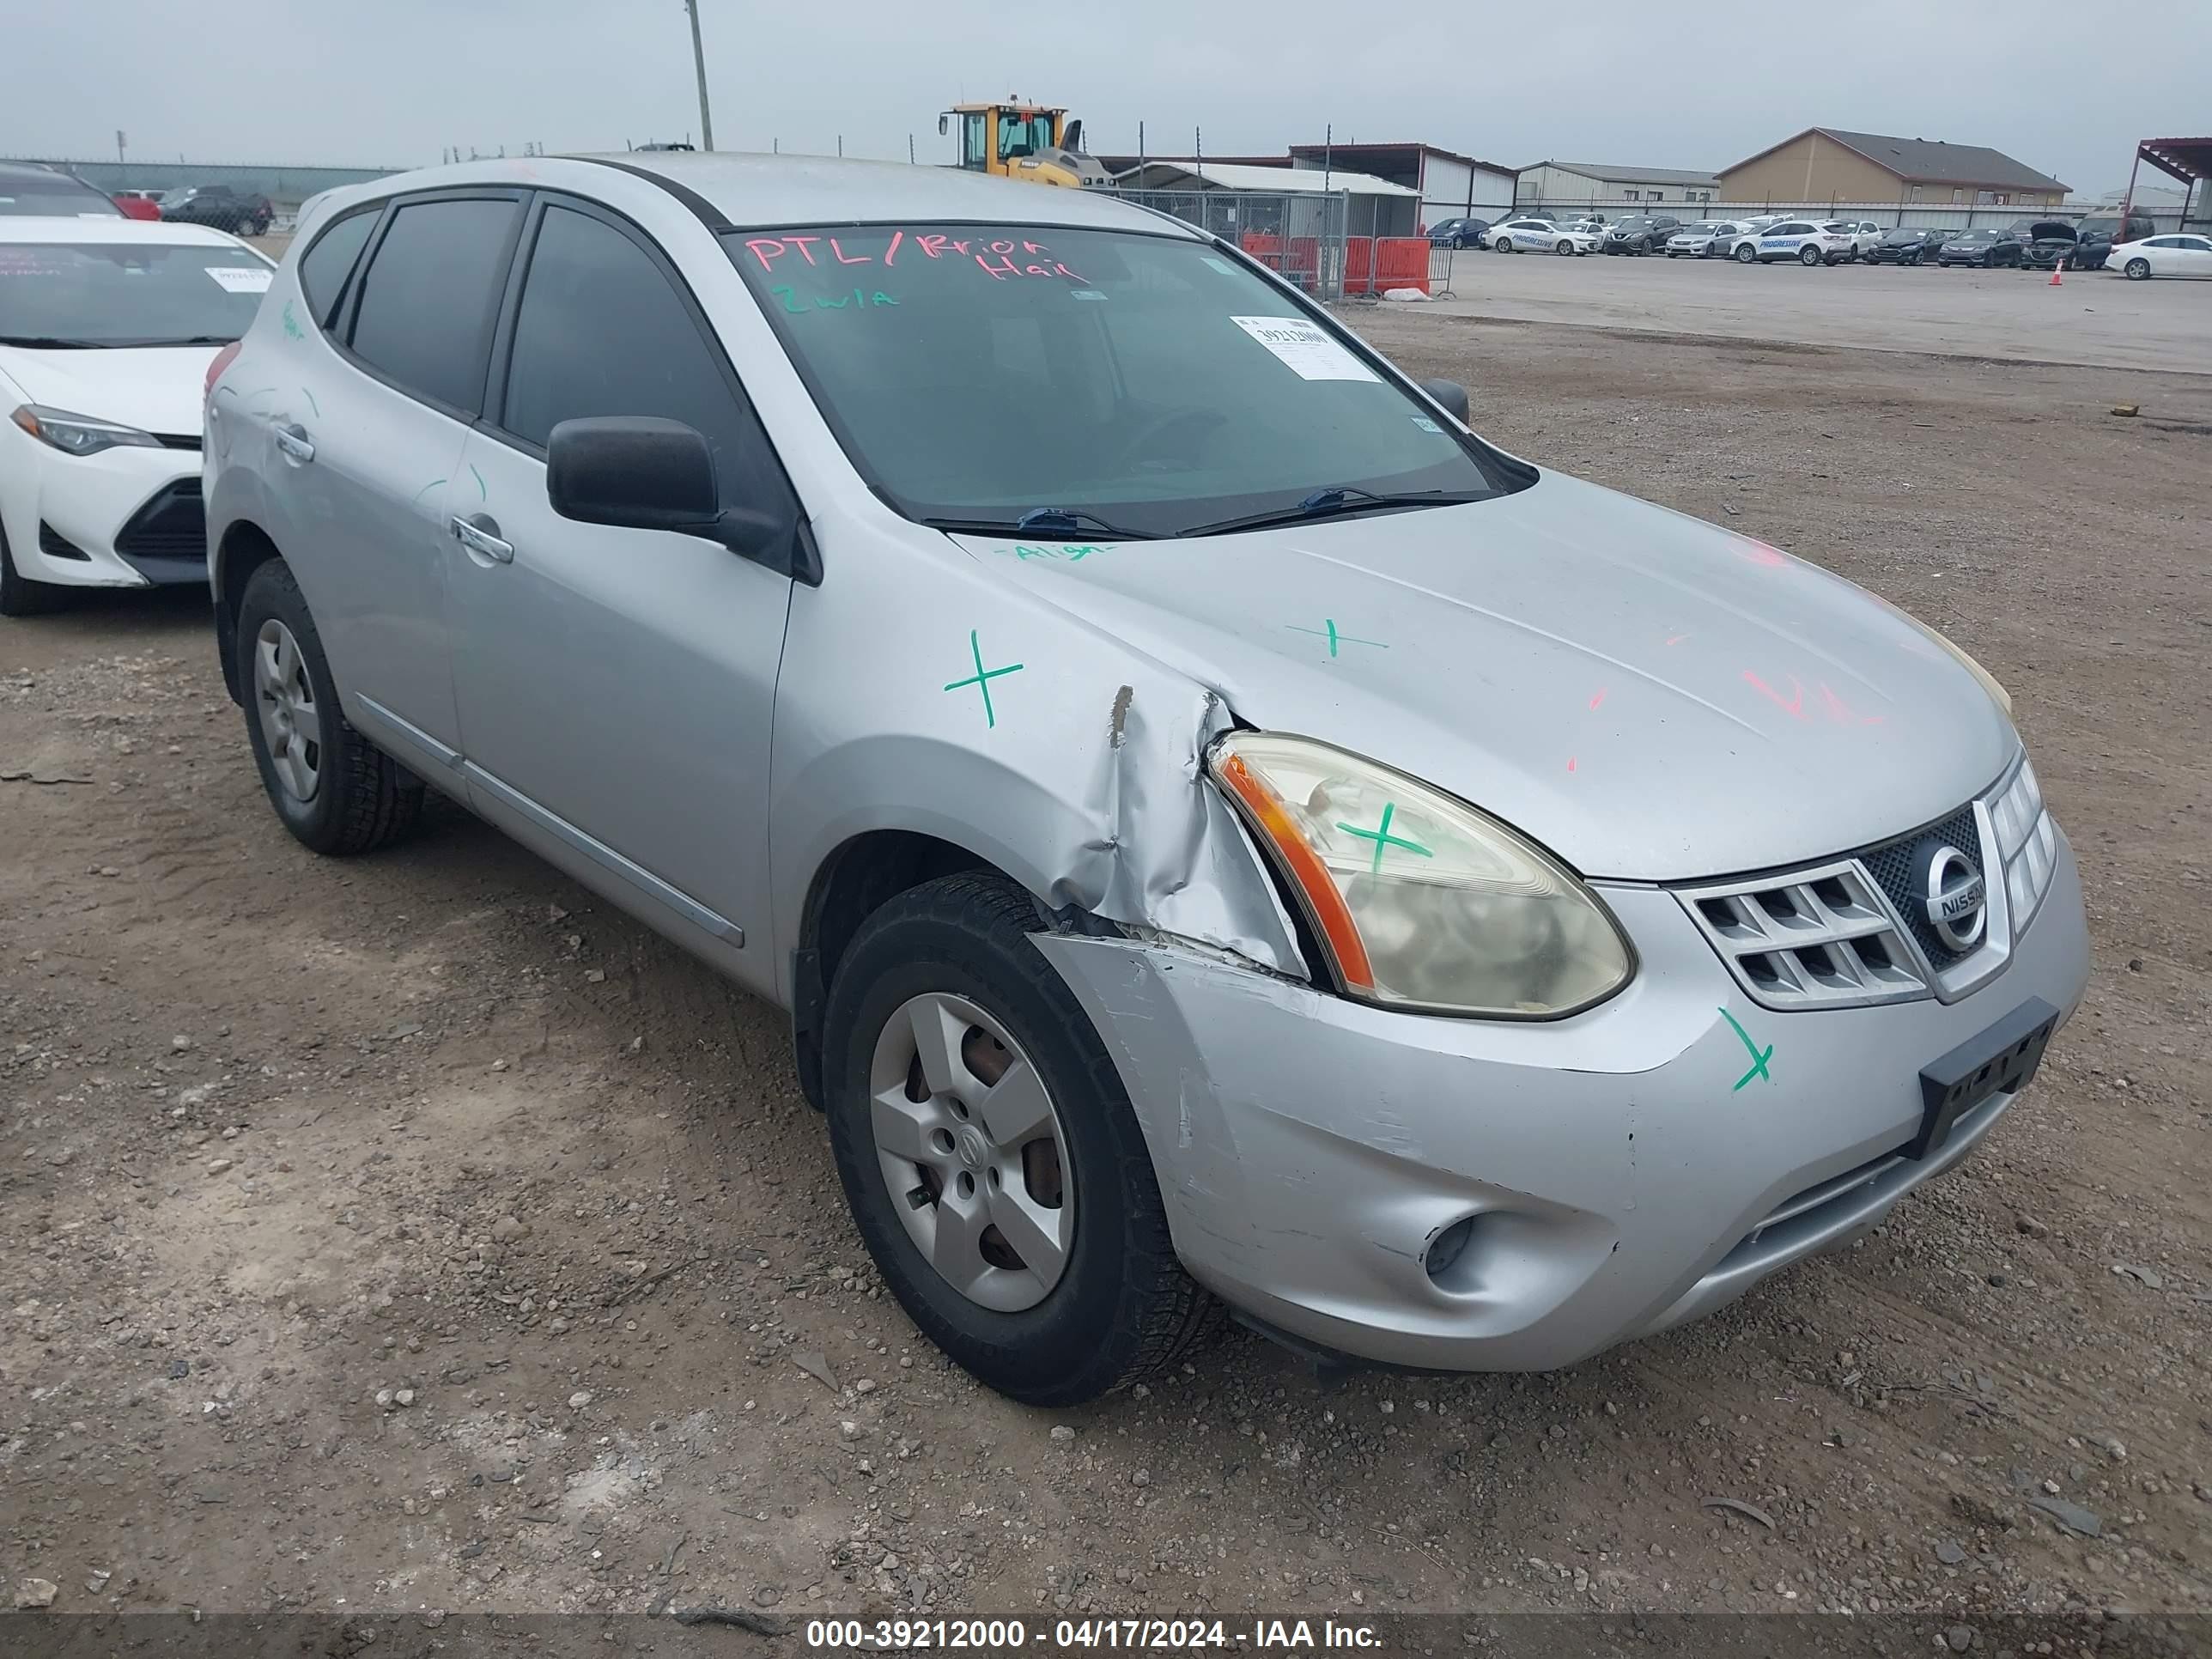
1220	827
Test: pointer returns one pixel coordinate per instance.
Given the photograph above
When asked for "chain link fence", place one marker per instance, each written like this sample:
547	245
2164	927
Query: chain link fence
1299	235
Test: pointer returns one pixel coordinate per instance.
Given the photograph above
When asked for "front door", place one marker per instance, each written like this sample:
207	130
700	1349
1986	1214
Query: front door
617	686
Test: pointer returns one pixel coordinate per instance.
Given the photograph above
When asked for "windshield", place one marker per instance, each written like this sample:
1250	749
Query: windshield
126	294
1633	224
2099	226
49	195
1975	236
976	372
1023	136
183	193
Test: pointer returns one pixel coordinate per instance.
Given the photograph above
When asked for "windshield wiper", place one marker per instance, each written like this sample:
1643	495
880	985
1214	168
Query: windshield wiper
195	340
1042	522
50	343
1332	502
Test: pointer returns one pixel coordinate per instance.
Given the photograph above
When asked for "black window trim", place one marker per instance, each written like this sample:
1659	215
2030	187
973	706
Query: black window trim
373	211
804	560
340	333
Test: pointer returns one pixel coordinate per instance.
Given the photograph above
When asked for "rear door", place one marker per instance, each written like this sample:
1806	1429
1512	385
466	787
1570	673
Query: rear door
369	446
618	686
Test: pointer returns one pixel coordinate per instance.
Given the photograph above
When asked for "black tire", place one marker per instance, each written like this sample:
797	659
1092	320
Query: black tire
2136	271
1502	244
19	595
364	800
1123	1309
1808	257
1566	247
1747	254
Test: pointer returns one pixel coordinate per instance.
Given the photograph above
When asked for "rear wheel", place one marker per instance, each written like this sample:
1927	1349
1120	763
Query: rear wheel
1809	256
19	595
993	1164
2137	269
336	791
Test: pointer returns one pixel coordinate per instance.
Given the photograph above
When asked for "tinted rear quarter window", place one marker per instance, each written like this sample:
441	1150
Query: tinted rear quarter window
427	297
323	267
602	330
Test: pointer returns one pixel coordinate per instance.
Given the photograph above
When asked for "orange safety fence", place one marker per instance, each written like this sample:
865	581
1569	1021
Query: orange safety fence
1375	265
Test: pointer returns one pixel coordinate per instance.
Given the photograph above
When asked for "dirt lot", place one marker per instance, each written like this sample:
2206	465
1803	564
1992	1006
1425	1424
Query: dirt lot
2096	318
416	1234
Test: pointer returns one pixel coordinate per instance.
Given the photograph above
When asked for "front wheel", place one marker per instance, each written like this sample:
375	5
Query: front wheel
1505	245
336	791
993	1164
1747	254
1566	248
2136	271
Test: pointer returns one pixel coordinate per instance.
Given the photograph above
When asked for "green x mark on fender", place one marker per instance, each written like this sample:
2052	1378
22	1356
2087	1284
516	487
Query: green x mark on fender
1759	1057
1382	837
982	679
1335	638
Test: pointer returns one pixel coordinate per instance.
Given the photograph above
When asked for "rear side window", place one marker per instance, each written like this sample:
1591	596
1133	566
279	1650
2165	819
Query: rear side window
427	297
323	267
602	330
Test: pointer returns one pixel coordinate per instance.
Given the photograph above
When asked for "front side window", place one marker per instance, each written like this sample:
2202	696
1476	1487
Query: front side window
126	294
602	330
975	373
426	299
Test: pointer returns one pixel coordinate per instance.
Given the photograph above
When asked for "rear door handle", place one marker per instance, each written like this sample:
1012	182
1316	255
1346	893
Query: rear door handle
480	534
294	441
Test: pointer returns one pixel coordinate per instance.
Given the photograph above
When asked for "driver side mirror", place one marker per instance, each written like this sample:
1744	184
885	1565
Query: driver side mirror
640	472
1450	393
633	470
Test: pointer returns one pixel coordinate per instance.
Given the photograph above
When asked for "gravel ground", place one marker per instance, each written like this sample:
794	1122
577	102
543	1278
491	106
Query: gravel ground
415	1234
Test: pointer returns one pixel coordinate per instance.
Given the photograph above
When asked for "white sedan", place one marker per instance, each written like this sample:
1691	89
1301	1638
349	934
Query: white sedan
2189	255
106	331
1538	236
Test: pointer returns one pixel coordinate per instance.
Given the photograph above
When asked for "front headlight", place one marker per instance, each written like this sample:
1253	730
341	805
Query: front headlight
2028	843
1422	901
79	435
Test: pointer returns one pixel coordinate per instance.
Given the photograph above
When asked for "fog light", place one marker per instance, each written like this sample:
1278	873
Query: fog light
1450	1244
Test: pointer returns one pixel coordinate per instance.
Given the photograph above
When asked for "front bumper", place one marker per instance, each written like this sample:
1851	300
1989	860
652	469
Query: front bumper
1620	1170
123	518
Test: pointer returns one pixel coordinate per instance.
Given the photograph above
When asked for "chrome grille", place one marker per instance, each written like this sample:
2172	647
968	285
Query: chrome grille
1814	938
1891	868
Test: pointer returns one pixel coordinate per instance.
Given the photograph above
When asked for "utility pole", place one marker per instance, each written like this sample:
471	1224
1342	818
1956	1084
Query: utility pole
699	63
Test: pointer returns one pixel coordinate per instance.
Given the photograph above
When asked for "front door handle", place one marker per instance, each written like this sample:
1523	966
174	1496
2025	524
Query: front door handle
294	441
479	533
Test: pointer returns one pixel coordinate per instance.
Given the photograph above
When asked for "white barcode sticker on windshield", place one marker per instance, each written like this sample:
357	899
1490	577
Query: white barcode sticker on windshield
241	279
1305	348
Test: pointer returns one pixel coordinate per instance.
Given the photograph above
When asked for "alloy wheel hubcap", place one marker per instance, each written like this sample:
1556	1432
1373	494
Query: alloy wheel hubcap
284	697
972	1152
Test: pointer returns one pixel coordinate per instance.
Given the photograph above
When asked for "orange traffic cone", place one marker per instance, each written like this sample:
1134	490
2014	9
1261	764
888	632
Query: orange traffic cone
2055	282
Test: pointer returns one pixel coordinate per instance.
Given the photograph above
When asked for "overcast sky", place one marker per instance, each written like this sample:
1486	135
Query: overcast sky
2064	86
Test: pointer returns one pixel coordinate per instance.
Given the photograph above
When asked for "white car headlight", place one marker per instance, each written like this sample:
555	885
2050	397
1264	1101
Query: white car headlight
2028	843
79	435
1422	901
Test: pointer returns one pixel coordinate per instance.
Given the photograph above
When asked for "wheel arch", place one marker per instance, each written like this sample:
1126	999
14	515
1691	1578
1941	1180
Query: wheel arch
245	548
856	878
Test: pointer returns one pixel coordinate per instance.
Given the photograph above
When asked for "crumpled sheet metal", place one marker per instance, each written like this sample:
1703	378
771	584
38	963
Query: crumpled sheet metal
1168	853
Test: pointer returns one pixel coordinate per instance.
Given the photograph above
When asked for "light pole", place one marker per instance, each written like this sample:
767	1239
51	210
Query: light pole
699	63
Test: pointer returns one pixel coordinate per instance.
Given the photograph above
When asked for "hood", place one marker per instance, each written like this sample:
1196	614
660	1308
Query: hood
2051	231
154	388
1650	695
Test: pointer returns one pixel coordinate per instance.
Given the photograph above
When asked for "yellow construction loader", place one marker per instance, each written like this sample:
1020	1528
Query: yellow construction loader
1018	140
